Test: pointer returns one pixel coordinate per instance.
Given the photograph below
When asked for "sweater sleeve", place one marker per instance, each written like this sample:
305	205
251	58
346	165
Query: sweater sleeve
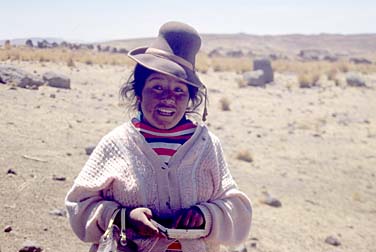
228	214
88	205
88	213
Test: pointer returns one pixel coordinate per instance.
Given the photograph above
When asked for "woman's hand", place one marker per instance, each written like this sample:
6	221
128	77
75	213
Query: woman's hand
139	220
189	218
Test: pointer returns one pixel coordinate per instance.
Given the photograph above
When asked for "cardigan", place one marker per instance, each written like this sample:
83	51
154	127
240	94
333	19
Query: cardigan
123	170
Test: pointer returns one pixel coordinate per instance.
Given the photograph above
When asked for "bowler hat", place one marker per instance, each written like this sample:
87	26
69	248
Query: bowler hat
172	53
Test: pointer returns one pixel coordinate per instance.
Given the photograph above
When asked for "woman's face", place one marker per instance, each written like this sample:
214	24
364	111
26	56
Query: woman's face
164	100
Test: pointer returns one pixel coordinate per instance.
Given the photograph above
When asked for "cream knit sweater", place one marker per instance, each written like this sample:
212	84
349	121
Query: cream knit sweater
124	171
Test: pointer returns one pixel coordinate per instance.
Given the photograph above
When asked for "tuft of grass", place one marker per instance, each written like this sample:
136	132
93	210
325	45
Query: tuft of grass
332	74
225	104
245	155
308	80
241	83
70	62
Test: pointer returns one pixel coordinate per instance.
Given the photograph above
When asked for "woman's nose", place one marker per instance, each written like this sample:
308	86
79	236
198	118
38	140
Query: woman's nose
168	94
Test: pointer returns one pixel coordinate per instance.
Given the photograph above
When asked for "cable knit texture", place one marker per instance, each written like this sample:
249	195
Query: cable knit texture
124	171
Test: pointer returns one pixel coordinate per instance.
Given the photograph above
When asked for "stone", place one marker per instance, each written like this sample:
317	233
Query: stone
271	201
235	53
58	212
360	61
332	241
18	77
266	66
59	178
254	78
56	80
11	171
30	246
29	43
8	229
313	54
217	52
355	79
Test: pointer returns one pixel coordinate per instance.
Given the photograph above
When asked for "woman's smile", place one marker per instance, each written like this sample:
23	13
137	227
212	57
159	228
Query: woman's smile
165	111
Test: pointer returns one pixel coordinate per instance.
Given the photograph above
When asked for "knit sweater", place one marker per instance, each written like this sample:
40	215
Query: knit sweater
123	170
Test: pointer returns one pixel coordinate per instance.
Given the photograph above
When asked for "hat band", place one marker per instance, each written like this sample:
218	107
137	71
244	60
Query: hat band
170	56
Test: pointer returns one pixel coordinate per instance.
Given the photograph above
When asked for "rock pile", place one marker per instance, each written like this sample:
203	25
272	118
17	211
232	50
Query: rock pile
20	78
316	54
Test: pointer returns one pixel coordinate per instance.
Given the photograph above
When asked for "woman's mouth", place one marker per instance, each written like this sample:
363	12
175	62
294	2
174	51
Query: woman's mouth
165	111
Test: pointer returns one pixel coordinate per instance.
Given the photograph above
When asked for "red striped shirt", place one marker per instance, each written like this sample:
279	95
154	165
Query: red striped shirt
165	142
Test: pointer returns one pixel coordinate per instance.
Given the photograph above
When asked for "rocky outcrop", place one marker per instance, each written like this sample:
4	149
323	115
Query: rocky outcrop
261	75
360	61
317	54
56	80
19	77
254	78
266	66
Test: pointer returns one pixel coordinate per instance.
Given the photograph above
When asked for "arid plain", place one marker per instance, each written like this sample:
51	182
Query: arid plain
306	140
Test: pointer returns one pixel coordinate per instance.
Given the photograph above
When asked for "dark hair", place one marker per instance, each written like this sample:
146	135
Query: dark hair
132	89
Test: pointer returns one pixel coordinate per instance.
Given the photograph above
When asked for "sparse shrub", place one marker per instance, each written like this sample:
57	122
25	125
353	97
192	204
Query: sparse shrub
42	59
244	155
308	80
241	83
225	104
343	67
70	62
88	62
332	74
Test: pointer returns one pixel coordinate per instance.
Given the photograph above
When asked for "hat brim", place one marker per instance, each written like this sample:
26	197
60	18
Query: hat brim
165	66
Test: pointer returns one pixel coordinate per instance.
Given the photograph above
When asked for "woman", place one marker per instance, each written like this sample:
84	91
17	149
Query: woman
161	166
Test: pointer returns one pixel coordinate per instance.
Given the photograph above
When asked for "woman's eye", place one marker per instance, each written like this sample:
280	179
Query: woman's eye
158	87
179	90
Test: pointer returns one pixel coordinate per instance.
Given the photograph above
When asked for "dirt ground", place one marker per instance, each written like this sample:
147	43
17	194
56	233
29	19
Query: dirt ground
312	149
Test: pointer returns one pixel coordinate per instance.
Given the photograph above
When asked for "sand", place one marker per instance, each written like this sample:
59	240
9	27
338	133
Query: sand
312	149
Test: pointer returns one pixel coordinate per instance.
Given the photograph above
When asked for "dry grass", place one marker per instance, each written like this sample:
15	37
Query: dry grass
204	63
320	67
223	64
308	80
64	55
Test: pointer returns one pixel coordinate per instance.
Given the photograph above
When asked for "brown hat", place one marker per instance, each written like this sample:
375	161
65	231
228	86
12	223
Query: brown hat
173	52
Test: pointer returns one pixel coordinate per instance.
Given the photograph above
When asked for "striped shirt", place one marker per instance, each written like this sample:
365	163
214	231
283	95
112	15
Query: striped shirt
166	142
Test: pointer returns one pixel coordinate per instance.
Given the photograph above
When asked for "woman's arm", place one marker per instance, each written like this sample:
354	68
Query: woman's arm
228	213
89	213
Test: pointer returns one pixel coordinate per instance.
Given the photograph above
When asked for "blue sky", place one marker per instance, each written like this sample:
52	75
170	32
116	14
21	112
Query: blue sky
94	20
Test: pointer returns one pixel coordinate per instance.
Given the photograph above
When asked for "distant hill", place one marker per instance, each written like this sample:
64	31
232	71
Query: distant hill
356	44
293	43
